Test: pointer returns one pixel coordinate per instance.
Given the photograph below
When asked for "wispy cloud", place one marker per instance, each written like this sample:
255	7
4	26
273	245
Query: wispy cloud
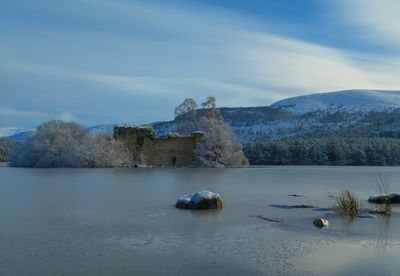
11	112
114	58
379	20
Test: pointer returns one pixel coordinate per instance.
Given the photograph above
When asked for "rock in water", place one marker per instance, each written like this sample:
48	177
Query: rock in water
380	199
200	200
321	222
394	198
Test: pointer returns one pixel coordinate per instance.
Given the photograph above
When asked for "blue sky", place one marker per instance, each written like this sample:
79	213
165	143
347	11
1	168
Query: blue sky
110	61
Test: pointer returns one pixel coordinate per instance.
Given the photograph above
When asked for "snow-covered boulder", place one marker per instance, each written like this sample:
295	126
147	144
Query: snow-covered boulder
200	200
320	222
380	199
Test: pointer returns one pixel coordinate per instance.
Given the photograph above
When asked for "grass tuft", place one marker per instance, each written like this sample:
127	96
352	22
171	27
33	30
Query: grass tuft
384	189
348	203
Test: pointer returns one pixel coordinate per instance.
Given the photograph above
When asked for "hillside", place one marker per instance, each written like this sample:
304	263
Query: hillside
350	113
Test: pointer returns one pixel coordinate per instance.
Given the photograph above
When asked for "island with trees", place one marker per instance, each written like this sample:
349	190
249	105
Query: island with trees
203	140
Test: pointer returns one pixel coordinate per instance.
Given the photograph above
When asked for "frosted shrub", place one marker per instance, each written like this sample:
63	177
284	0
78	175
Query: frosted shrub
68	144
55	144
217	149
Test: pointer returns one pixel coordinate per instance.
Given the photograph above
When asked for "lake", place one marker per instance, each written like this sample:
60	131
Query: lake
123	222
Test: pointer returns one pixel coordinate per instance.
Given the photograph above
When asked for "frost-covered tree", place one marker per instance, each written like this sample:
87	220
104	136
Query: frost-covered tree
209	103
6	147
188	105
68	144
217	148
185	116
55	144
103	150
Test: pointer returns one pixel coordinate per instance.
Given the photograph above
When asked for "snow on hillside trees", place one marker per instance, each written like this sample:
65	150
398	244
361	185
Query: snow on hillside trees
358	151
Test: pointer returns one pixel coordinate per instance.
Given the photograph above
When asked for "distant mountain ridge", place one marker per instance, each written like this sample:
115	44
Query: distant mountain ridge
19	137
10	131
356	99
363	113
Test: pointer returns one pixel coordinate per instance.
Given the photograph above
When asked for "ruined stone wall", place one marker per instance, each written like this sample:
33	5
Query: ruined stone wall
147	150
169	151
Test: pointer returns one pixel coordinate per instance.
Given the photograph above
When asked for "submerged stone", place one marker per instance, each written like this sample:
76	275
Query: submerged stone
200	200
366	216
300	206
268	219
320	222
303	206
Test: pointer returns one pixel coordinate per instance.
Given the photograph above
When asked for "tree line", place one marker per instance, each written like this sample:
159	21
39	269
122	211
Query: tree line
6	147
378	151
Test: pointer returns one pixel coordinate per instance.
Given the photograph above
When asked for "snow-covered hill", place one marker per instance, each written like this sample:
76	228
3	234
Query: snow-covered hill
9	131
351	100
342	113
21	136
103	128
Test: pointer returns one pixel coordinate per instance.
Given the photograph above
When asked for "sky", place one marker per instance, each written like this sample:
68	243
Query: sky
120	61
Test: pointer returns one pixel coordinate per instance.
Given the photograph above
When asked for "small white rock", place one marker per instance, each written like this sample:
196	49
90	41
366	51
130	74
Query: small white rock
320	222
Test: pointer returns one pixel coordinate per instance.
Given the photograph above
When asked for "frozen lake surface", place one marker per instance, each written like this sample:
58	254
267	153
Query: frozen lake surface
123	222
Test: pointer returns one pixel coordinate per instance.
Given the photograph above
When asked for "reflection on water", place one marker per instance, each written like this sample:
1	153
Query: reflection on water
106	221
383	234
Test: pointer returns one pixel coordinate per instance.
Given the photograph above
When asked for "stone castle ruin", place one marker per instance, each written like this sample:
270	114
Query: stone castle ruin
145	148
